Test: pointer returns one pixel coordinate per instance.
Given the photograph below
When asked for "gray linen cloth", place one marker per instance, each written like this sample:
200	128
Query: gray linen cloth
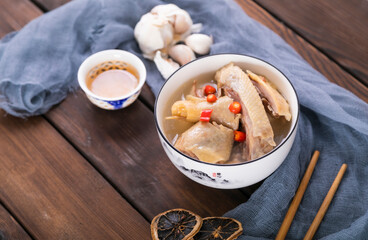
38	67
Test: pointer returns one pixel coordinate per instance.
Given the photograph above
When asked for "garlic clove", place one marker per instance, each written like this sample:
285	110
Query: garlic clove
165	66
181	54
183	23
199	43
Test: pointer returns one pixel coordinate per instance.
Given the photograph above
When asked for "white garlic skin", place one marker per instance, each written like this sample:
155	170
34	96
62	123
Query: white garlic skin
181	53
199	43
179	18
165	9
165	66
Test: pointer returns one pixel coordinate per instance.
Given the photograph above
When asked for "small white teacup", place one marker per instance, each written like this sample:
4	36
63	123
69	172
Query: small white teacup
112	55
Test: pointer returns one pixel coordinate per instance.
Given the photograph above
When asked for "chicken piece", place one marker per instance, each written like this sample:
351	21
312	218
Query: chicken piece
192	107
207	142
276	103
195	91
237	84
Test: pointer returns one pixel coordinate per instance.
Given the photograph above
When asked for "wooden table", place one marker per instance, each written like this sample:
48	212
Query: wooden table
79	172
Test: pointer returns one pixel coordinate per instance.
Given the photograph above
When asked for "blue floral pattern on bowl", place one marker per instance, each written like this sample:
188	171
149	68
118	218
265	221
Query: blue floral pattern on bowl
114	105
117	104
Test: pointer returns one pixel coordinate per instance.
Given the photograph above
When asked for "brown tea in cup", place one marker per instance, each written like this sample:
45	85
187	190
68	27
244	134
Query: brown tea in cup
112	79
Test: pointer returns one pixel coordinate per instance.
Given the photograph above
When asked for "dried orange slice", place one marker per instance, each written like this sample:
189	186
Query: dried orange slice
175	224
216	228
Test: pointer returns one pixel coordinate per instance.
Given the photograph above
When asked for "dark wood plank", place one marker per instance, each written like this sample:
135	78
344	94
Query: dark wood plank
15	14
124	146
128	185
9	227
55	192
315	58
318	60
50	4
46	183
338	27
147	97
113	166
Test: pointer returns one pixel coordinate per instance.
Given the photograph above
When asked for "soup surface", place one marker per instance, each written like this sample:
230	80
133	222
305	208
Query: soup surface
112	79
174	128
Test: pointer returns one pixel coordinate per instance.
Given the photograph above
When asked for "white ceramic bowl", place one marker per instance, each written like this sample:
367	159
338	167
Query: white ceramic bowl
227	176
112	55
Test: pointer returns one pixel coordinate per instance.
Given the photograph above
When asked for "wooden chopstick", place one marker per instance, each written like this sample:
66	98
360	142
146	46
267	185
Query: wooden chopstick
297	198
326	202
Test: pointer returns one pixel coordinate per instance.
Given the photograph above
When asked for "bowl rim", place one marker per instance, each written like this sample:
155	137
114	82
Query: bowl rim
141	80
231	164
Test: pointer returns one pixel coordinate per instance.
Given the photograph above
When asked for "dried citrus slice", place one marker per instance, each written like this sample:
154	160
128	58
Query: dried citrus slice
216	228
175	224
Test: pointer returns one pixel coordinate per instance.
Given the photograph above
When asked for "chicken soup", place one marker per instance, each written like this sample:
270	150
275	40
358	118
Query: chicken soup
230	116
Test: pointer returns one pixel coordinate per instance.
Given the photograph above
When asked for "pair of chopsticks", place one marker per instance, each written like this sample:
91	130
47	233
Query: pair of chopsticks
298	197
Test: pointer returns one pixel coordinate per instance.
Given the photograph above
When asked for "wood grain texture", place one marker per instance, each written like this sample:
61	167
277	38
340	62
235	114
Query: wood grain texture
55	192
203	205
312	55
15	14
124	146
315	58
139	183
9	227
43	187
147	97
338	27
50	4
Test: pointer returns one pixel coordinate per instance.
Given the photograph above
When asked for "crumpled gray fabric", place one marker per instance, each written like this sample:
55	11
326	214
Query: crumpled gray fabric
38	64
38	67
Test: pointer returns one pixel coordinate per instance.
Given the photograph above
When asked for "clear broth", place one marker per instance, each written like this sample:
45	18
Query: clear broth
174	127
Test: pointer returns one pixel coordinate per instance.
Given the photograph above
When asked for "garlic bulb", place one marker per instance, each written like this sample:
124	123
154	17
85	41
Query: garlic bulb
199	43
162	27
152	33
165	66
181	54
